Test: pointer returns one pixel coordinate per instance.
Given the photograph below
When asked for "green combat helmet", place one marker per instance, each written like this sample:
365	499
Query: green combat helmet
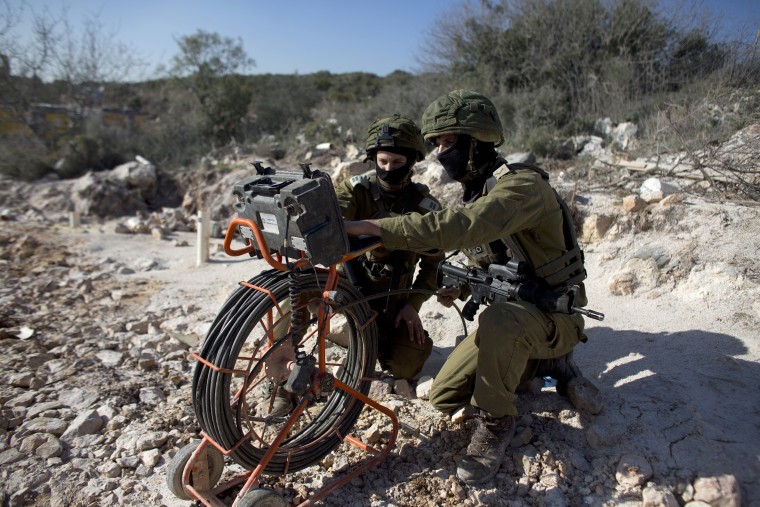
463	112
396	134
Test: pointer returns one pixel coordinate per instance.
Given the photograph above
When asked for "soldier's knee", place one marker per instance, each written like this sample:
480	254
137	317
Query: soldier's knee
405	360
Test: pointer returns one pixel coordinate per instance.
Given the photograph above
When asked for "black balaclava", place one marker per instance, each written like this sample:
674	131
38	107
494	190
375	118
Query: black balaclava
472	176
485	154
399	178
455	160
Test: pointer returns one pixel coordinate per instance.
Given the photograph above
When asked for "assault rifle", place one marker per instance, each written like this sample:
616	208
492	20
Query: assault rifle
508	282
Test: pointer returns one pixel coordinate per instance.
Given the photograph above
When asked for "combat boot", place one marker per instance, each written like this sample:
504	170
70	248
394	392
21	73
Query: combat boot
583	394
284	403
486	450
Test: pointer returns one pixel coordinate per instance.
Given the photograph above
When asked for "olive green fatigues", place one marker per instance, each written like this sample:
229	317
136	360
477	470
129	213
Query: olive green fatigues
382	269
486	367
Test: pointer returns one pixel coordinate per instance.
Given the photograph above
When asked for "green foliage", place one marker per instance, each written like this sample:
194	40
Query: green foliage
176	139
545	107
94	151
211	63
540	141
694	57
353	87
209	55
79	157
323	132
225	104
578	126
566	59
551	68
705	113
407	95
282	104
125	96
23	158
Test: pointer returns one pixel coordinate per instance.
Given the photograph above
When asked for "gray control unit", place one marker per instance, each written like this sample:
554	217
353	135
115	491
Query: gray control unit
296	212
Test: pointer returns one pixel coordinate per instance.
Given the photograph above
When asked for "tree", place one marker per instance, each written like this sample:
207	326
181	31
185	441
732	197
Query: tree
210	65
80	62
83	57
694	57
283	104
30	60
563	63
90	58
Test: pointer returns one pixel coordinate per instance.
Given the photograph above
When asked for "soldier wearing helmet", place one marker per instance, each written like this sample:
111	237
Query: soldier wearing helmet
510	212
393	146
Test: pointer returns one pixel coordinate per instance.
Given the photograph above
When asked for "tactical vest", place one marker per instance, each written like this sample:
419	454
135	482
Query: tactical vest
381	269
566	270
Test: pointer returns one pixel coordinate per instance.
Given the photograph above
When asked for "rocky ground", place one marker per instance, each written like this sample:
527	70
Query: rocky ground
97	327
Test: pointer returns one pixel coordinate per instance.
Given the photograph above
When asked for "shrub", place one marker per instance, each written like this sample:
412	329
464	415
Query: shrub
23	158
540	140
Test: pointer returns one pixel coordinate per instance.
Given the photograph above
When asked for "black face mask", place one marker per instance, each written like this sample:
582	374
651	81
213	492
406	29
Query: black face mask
394	177
455	159
484	156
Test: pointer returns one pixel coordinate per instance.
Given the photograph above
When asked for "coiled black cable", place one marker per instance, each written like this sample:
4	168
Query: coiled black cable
224	419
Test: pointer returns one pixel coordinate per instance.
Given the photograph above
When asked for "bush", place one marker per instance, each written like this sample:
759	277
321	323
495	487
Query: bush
23	158
325	131
172	140
540	140
102	149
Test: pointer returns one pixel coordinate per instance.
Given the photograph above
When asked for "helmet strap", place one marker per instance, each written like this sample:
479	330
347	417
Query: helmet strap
481	166
480	160
483	157
472	168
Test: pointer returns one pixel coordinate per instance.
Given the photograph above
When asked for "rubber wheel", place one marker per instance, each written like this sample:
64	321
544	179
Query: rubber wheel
177	465
262	497
263	329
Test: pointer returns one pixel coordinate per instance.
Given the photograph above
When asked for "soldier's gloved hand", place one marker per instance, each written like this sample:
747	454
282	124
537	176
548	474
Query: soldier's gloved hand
447	295
409	317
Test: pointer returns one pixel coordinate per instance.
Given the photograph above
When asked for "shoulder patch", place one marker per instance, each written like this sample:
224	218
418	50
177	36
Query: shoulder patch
496	176
359	179
501	171
429	204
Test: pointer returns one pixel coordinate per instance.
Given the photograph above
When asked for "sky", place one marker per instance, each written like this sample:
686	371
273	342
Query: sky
301	36
281	36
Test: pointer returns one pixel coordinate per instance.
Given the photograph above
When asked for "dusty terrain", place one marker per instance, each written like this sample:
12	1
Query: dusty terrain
90	321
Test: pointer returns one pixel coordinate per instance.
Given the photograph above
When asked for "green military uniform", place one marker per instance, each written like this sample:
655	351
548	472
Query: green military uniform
386	269
486	368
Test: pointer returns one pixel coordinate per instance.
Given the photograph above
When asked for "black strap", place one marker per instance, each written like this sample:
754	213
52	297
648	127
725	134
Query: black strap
568	269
